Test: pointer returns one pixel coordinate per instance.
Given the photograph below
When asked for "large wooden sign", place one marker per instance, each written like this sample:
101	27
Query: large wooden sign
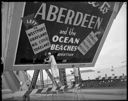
73	31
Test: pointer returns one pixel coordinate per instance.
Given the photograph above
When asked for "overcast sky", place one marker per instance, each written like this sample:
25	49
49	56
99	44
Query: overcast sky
114	48
113	51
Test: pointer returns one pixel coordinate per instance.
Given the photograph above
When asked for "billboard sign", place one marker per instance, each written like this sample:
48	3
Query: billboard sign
74	32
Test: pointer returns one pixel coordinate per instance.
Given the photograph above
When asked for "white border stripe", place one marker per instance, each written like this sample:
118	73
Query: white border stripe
12	46
18	35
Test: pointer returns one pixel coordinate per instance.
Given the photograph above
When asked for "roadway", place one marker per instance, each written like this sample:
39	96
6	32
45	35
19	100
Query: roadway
82	94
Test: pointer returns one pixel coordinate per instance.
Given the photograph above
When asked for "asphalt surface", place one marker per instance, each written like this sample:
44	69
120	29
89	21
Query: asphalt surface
81	94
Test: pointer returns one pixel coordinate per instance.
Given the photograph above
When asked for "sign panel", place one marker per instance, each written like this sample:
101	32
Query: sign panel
38	38
73	32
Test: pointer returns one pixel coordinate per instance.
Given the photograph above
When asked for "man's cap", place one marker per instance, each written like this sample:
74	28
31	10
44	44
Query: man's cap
49	53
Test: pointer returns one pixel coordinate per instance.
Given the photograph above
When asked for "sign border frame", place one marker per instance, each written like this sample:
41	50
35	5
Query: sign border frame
13	41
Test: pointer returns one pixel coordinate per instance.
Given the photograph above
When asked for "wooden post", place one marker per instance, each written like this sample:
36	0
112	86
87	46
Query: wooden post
41	78
33	83
51	77
62	74
80	79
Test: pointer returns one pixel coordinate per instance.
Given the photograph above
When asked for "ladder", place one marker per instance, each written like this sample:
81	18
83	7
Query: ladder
34	80
51	77
32	86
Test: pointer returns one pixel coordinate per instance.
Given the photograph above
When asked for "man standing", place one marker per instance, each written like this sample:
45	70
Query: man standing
54	69
76	74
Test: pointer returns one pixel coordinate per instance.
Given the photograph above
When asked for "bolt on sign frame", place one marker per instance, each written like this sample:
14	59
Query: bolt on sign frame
74	32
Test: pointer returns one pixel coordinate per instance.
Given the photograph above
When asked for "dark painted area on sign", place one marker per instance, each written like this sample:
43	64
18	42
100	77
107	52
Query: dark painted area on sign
25	53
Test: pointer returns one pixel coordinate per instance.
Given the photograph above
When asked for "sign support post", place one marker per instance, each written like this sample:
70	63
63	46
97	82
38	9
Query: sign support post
33	83
41	78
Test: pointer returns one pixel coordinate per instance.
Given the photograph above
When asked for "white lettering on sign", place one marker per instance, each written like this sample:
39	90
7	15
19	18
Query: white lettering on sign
70	17
38	38
103	8
65	54
63	39
88	42
33	22
94	4
63	47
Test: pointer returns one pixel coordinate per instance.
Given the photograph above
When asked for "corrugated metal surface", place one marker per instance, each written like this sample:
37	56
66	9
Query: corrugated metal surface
10	81
5	85
7	11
